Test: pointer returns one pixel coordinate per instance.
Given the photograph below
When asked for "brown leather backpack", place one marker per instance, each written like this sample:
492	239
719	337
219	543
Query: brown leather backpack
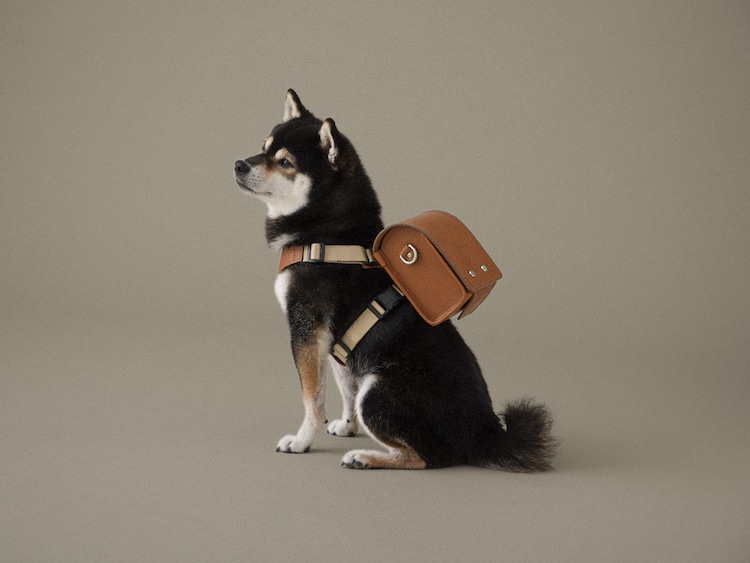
438	264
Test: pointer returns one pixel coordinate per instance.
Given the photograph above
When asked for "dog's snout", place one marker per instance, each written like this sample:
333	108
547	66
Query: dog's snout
241	167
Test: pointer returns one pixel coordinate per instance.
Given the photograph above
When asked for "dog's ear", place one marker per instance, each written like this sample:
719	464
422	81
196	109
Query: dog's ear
330	140
293	108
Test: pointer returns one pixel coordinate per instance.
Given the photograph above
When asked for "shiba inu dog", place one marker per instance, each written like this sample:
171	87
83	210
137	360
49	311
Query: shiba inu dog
415	389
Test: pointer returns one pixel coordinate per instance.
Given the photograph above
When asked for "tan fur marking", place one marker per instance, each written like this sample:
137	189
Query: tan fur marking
399	457
307	359
266	143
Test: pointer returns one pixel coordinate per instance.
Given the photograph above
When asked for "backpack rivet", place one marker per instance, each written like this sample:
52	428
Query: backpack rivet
472	273
484	268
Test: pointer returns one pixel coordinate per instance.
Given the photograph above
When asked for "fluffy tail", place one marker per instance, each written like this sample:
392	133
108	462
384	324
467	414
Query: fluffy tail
527	445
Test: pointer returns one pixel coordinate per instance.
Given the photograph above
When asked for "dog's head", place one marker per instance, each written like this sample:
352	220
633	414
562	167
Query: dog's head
299	159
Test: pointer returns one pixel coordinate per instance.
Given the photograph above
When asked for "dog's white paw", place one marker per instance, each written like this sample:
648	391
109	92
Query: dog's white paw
356	459
342	427
293	445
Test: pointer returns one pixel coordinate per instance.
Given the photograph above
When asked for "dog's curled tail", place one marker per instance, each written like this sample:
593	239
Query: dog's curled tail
527	445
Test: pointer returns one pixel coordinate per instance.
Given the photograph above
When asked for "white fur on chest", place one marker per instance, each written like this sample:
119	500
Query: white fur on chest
281	287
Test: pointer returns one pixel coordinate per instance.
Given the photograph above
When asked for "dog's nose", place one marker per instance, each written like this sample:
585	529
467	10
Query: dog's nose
241	167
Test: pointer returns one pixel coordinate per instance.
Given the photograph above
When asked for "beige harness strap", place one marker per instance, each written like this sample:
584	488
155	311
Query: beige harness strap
376	310
326	253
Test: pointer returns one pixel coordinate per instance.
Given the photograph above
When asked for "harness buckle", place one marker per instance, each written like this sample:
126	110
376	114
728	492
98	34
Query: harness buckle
317	252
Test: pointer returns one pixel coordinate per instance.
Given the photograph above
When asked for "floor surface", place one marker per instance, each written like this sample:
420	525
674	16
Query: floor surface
153	442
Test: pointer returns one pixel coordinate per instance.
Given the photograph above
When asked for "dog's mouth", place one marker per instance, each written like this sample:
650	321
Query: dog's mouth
249	189
244	186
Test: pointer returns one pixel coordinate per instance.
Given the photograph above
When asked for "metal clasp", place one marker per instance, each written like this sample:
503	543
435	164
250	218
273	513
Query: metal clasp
317	252
411	255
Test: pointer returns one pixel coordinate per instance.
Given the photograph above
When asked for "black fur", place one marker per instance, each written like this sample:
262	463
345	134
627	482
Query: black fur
430	393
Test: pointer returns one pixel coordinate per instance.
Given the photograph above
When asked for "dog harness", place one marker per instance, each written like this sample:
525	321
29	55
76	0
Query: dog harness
383	303
433	260
327	253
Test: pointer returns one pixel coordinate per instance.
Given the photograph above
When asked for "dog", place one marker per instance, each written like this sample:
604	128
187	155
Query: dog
417	390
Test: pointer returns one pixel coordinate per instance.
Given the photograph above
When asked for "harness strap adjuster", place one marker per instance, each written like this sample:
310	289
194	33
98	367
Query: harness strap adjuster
316	252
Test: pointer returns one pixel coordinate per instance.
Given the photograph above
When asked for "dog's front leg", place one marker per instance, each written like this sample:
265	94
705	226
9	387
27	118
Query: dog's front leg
346	425
309	358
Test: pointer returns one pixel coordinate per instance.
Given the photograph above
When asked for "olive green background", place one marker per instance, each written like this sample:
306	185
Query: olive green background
599	150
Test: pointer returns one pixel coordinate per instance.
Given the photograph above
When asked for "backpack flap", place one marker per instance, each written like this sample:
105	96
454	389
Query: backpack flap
438	264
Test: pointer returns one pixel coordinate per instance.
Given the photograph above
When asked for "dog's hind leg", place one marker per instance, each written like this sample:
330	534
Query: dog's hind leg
398	457
346	425
309	357
399	454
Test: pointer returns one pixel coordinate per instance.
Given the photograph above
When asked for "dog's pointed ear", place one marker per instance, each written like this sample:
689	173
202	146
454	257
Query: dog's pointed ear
293	107
330	140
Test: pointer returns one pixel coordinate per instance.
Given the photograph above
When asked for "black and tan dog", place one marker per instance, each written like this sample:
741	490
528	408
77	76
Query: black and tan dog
416	389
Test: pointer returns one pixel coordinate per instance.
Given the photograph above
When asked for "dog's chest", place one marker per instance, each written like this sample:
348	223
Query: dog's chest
281	288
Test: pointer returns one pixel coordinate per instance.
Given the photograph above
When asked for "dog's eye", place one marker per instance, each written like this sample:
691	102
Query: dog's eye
285	163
